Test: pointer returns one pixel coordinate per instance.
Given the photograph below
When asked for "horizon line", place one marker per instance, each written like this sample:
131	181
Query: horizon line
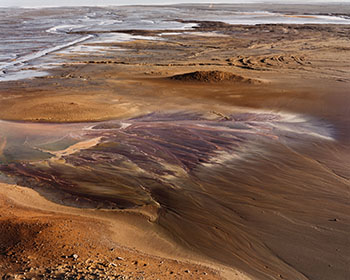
280	2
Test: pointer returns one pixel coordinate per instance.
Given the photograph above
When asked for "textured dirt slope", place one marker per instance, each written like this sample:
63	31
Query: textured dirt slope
215	76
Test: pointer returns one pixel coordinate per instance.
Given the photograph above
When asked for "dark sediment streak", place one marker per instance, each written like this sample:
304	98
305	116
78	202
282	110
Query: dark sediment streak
245	190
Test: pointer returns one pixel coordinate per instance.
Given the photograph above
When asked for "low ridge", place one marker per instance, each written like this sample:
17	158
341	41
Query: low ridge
212	77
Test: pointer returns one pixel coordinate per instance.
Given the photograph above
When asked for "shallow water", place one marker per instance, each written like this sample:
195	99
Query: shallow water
31	36
263	192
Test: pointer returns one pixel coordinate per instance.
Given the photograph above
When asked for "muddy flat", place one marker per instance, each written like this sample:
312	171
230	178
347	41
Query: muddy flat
187	142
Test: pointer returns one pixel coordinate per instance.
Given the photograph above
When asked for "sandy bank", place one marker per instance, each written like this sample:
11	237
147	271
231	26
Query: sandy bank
39	237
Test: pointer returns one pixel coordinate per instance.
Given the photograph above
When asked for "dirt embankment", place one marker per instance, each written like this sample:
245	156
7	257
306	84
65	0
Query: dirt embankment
213	77
45	244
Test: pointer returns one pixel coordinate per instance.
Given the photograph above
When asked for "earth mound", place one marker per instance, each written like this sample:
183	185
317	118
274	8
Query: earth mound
212	77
